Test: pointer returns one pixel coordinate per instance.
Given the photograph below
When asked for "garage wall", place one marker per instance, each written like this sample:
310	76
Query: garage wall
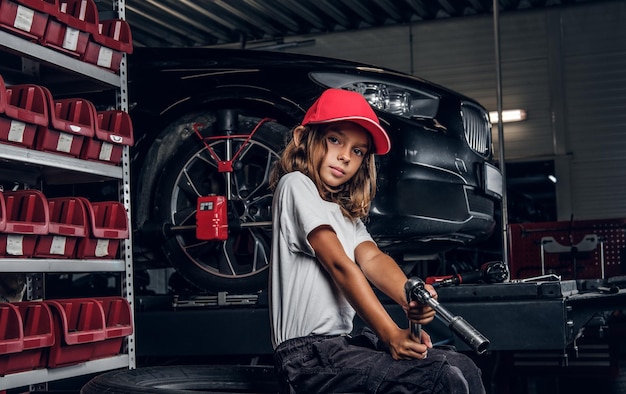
566	66
594	72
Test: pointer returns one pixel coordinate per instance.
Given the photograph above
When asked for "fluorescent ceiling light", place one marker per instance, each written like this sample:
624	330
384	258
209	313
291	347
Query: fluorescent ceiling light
511	115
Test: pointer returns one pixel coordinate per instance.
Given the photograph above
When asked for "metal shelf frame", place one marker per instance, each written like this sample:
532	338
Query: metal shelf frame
37	376
81	170
61	265
53	160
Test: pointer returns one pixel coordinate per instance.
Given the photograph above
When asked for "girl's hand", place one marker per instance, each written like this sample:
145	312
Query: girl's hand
421	313
403	347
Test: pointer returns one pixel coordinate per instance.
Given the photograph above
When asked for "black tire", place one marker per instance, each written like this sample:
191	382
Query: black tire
239	264
185	379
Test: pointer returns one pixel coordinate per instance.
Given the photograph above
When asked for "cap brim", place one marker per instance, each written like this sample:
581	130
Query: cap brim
382	144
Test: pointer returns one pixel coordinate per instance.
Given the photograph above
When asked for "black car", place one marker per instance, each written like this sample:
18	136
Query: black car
210	122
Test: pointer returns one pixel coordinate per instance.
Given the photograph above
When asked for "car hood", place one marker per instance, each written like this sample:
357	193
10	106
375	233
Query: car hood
167	65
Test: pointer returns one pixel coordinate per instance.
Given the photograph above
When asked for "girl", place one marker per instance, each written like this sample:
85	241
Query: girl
323	260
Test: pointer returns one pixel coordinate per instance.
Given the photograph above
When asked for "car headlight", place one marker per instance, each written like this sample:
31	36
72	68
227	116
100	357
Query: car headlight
384	96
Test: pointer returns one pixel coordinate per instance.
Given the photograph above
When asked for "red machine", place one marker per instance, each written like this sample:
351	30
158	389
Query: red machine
212	218
584	249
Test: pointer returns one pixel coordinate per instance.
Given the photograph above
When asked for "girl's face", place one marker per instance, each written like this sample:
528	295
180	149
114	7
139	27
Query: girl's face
347	144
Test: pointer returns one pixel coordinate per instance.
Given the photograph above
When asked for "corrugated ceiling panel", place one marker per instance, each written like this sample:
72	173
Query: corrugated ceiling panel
224	22
386	47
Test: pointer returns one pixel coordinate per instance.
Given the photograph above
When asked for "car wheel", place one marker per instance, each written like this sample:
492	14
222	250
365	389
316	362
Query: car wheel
185	379
239	263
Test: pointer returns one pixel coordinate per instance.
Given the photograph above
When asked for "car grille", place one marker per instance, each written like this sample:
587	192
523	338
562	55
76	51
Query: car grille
477	128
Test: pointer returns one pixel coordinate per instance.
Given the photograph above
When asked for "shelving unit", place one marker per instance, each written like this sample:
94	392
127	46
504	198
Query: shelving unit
59	169
19	46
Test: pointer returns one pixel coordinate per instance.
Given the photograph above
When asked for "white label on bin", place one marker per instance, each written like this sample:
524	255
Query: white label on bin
24	18
117	31
105	151
64	144
16	131
58	245
105	57
102	248
70	41
15	244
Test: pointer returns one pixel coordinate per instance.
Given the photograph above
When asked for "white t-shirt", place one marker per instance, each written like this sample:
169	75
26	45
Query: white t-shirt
303	297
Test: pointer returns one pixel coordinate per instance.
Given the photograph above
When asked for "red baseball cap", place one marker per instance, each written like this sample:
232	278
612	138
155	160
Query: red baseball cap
335	105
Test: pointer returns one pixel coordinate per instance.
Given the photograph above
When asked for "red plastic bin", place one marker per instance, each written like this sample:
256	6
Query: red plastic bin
118	321
25	113
3	95
28	103
114	129
3	213
71	121
80	14
38	336
73	26
27	217
27	212
78	324
27	18
49	7
108	225
68	223
107	48
11	334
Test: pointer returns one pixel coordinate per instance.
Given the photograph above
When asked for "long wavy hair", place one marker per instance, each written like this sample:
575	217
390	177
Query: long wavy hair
353	197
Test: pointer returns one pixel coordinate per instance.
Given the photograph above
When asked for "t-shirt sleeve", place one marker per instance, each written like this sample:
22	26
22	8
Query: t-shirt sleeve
301	211
361	233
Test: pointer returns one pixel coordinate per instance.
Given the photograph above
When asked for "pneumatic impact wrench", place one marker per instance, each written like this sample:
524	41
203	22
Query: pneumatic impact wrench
415	291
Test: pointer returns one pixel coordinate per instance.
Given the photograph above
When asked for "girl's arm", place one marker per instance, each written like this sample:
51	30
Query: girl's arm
355	286
384	273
